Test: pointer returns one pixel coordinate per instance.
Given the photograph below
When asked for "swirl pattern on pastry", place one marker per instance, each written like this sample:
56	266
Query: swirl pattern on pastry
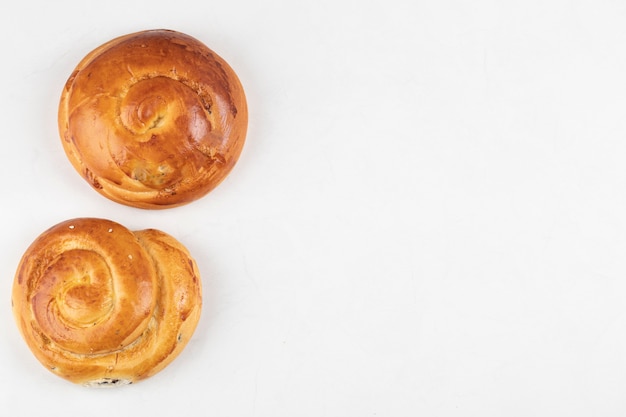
98	304
153	119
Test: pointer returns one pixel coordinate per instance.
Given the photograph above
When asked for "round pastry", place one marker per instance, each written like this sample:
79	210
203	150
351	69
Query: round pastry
153	119
100	305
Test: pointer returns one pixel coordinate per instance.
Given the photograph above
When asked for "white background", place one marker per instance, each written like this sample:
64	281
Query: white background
428	218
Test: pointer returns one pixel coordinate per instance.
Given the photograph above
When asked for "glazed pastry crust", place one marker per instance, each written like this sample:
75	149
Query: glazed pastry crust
153	119
98	304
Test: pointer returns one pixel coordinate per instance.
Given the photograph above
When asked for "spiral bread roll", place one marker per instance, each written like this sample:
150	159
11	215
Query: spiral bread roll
153	119
100	305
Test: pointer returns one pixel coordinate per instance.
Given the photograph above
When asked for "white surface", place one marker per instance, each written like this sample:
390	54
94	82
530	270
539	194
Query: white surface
429	216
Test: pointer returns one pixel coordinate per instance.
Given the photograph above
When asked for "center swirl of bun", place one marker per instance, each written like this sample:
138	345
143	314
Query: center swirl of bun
92	297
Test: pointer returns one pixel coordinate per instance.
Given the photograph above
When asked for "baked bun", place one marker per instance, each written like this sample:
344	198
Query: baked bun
100	305
153	119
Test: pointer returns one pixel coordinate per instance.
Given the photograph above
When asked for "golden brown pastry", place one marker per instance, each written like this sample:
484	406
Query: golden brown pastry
153	119
100	305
